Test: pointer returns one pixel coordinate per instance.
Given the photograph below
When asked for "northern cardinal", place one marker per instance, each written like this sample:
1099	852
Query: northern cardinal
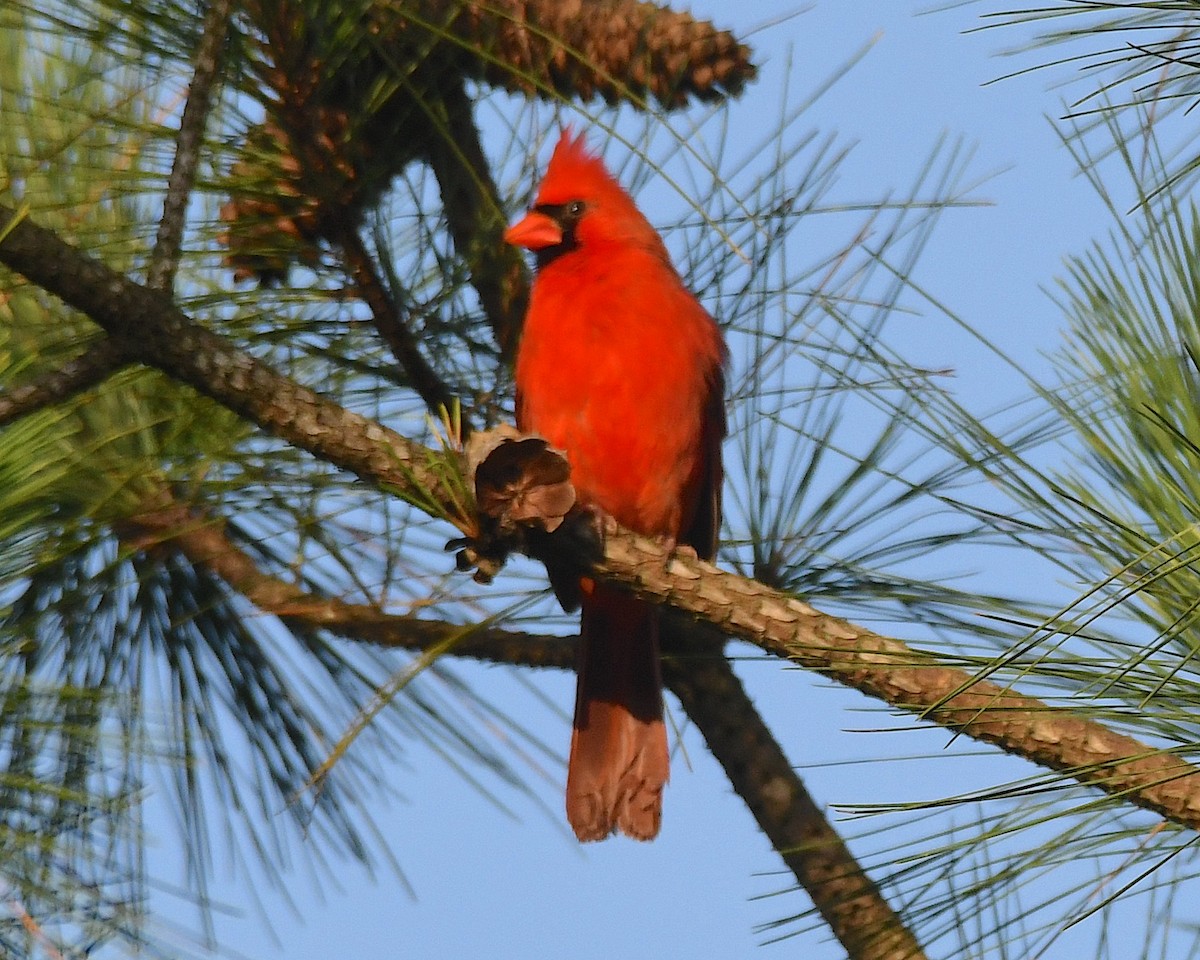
621	367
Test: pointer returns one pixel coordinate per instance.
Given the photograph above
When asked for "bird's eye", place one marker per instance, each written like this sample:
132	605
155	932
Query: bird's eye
575	208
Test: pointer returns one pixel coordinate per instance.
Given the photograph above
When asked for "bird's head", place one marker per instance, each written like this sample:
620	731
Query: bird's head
580	205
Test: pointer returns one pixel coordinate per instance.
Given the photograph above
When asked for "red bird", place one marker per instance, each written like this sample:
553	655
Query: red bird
621	367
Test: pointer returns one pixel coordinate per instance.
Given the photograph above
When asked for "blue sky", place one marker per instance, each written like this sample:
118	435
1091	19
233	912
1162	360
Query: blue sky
487	884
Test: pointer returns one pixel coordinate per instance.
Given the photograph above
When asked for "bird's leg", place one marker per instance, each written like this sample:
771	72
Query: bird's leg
580	538
604	525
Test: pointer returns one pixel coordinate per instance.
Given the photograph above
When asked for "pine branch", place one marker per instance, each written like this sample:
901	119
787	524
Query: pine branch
164	259
165	522
156	332
907	678
849	901
93	366
103	359
697	672
153	330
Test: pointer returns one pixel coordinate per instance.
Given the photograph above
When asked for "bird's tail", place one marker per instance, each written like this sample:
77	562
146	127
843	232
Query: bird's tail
619	762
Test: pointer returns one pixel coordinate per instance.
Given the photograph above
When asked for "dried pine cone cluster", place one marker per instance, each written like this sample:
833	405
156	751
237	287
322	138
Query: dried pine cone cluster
346	115
330	144
287	198
620	50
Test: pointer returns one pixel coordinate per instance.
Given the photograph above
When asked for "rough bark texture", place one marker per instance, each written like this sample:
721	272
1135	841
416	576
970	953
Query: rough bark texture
101	360
93	366
164	260
892	671
853	907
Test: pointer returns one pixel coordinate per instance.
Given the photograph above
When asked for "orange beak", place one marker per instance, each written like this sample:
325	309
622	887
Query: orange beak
534	232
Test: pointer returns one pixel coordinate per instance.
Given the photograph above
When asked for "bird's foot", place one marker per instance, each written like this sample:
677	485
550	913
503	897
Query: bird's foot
483	555
673	548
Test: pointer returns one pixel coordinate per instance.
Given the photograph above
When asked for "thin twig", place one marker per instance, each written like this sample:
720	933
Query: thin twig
164	259
475	218
392	327
93	366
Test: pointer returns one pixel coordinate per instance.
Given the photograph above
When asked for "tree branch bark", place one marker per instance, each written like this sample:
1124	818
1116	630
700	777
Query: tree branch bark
164	259
150	328
164	521
475	218
851	904
154	331
93	366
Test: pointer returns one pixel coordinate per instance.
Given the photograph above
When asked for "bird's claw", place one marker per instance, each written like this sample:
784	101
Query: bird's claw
672	548
484	557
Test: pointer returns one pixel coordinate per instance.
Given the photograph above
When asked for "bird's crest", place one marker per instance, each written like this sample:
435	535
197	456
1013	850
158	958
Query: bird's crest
575	172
